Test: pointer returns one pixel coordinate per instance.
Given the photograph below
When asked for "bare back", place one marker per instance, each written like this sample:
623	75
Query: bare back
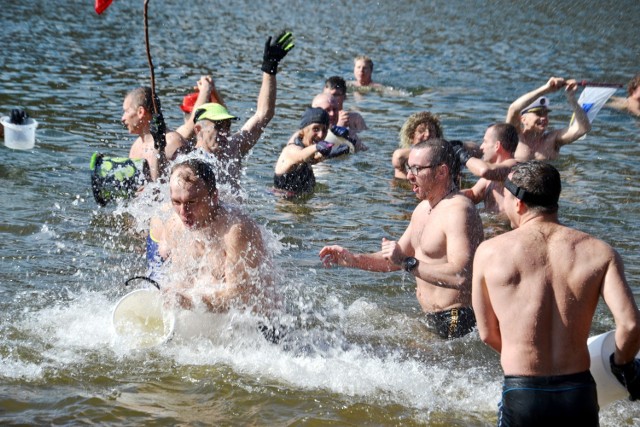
544	281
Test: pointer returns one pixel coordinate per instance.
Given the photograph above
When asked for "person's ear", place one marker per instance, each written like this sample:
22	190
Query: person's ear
197	128
521	207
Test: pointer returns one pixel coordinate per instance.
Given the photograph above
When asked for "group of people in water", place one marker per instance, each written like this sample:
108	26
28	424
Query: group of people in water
531	292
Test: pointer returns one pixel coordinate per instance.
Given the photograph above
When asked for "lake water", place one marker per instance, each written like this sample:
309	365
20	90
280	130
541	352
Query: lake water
361	355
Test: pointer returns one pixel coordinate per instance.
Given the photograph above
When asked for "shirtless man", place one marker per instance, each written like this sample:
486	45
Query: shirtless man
417	128
631	103
498	146
215	255
438	245
137	116
213	121
362	71
352	120
338	122
535	291
529	114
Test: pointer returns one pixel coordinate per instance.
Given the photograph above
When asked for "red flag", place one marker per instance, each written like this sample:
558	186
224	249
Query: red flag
102	5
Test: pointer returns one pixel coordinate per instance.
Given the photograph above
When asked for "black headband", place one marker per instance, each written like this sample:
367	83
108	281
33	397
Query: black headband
528	197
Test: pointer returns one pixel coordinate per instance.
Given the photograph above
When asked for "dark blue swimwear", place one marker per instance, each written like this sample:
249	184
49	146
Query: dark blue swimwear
563	400
301	180
154	260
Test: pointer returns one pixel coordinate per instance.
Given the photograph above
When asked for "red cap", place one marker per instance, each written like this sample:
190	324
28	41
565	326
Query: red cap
188	102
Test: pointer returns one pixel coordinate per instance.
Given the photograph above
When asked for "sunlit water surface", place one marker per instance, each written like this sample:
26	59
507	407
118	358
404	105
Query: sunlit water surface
360	354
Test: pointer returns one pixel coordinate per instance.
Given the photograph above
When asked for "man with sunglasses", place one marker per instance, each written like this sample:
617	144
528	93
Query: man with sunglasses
529	114
535	291
213	121
437	247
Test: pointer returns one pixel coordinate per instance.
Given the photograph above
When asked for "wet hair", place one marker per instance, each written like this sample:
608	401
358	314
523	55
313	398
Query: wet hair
411	124
337	83
366	60
142	97
442	154
541	184
633	85
507	134
201	170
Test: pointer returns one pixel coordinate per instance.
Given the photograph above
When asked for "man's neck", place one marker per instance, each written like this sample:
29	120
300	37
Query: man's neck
532	137
530	219
441	195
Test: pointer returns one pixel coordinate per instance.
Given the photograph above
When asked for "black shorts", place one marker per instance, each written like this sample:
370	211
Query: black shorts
563	400
453	323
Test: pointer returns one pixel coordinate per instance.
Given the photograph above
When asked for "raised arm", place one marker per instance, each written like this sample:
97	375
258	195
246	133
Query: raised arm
207	92
580	125
253	128
513	114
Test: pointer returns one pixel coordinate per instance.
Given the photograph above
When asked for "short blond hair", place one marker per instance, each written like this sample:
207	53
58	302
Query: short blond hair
366	60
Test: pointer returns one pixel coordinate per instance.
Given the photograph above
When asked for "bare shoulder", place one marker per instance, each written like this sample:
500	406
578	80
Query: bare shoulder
585	243
356	122
241	225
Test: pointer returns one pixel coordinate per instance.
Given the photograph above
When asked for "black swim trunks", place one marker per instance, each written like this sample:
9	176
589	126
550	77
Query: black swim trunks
272	333
453	323
563	400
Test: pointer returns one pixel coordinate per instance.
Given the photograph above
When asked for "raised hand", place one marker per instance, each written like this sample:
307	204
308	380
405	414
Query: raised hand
274	52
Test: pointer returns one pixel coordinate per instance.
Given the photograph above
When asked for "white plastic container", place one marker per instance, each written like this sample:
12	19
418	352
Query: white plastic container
19	137
609	388
140	320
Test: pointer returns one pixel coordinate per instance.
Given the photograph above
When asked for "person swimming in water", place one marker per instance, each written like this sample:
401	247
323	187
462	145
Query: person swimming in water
293	172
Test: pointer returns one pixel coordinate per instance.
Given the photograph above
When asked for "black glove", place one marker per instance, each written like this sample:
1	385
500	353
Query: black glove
18	116
338	150
158	130
273	53
628	375
324	147
460	152
342	132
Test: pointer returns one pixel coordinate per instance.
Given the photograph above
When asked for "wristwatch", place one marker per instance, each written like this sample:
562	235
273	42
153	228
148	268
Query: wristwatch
409	264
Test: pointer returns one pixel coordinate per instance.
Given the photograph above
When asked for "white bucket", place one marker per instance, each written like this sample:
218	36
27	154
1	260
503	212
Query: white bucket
140	321
19	137
609	388
338	140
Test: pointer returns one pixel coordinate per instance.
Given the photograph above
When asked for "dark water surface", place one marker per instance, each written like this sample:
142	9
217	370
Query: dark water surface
362	355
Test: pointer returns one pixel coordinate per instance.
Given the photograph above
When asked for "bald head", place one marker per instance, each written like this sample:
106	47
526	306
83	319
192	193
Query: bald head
328	104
